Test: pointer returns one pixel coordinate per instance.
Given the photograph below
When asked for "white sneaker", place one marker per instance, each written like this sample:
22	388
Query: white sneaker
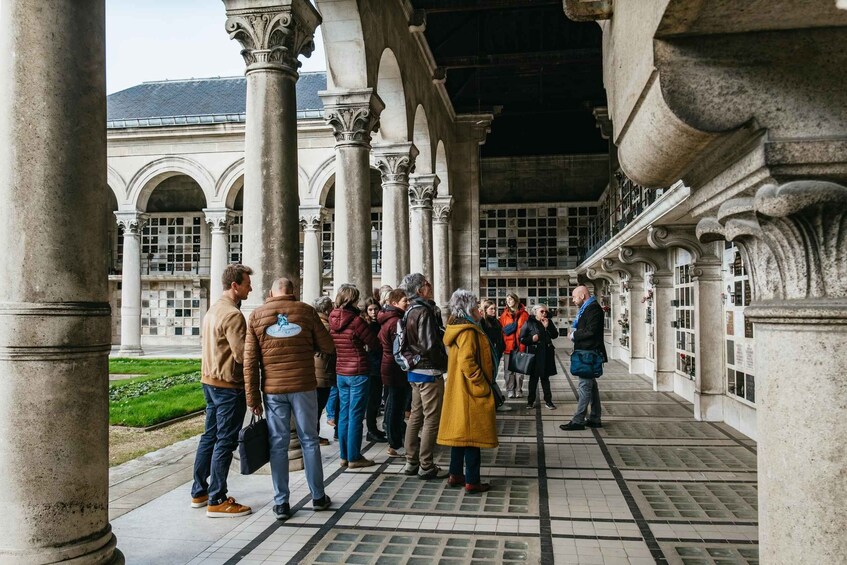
511	394
519	394
399	452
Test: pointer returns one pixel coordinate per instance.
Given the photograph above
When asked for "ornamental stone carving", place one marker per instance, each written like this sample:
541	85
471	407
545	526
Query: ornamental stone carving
395	162
653	257
422	189
792	238
353	115
273	36
219	220
441	209
595	275
132	222
622	270
311	220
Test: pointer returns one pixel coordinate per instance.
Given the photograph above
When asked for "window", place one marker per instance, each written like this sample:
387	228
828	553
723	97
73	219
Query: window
236	237
171	244
170	308
684	313
740	347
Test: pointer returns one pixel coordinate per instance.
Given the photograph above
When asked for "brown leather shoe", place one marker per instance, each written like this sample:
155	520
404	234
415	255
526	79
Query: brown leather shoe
227	509
474	489
342	463
456	480
200	501
360	462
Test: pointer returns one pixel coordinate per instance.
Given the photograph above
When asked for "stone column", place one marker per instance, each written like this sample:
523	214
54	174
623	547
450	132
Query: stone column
441	249
274	35
219	221
637	325
353	115
55	326
711	343
311	219
422	189
599	278
792	240
132	224
395	162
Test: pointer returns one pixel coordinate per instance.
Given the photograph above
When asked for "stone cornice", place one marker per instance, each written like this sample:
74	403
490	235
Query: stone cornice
353	115
791	238
273	37
395	161
422	189
441	207
219	219
132	222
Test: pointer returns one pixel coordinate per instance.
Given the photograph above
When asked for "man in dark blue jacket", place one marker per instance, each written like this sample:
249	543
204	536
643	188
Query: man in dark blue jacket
587	333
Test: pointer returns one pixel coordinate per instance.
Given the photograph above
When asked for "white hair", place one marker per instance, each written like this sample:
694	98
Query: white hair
462	303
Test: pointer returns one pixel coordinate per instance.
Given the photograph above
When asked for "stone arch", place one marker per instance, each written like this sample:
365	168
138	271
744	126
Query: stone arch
344	44
321	182
153	173
116	183
393	121
229	183
422	140
442	170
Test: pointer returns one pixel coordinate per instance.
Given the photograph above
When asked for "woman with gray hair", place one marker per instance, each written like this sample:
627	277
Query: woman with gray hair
467	416
538	335
325	371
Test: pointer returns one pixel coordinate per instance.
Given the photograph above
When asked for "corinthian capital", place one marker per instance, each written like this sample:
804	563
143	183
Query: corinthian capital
311	217
422	189
441	207
791	238
219	219
395	161
273	35
132	222
353	115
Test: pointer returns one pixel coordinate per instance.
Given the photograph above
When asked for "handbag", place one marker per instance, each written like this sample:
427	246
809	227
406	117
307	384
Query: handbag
253	446
586	363
521	362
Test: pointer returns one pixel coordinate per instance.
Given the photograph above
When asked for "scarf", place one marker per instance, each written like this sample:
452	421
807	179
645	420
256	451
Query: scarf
582	309
494	356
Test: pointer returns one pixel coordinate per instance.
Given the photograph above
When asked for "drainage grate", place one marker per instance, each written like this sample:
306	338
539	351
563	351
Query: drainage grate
684	458
400	493
661	430
697	501
525	428
710	554
506	455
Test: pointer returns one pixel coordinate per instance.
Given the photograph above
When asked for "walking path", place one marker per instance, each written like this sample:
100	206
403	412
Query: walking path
651	486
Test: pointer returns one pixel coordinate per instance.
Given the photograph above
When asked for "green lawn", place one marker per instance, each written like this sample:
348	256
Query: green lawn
168	388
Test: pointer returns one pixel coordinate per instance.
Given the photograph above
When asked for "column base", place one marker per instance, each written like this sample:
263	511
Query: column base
131	351
637	365
663	381
708	407
101	550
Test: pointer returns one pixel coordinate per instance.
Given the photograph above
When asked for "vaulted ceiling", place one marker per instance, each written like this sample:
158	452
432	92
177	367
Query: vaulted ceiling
538	72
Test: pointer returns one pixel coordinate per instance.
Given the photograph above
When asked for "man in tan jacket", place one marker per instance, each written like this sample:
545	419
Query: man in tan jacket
283	336
222	376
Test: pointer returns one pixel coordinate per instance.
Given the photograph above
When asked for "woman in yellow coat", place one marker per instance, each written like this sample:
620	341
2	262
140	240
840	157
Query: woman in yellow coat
467	413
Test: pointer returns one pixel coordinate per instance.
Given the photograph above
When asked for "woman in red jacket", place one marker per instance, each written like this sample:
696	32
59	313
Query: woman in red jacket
512	319
351	334
393	377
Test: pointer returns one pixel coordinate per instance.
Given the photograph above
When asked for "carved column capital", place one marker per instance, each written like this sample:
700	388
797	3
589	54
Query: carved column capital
441	208
476	126
588	10
312	217
219	219
658	259
422	189
353	115
132	222
273	36
395	161
791	237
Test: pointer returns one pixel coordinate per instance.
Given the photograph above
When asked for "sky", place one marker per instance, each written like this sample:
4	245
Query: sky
149	40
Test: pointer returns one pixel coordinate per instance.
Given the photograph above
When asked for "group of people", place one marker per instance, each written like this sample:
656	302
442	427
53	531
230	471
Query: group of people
290	360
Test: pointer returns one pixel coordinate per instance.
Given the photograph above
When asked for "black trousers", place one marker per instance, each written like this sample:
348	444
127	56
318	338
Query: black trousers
533	386
374	400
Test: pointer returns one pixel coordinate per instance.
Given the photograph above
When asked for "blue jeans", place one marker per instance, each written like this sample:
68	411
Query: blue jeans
225	409
472	459
332	405
353	400
395	405
588	394
304	406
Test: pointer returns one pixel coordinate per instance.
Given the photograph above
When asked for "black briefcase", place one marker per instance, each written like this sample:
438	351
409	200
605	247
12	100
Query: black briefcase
254	446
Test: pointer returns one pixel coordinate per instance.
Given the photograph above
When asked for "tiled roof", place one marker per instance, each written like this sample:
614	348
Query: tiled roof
200	101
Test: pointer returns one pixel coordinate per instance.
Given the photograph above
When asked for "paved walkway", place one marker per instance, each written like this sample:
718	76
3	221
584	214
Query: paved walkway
652	486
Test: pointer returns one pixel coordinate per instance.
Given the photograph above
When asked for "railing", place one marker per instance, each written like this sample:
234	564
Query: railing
198	264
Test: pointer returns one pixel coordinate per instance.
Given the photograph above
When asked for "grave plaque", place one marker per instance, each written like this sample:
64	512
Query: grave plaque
730	323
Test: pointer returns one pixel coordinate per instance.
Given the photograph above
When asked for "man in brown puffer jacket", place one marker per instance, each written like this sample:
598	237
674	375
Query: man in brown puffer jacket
283	336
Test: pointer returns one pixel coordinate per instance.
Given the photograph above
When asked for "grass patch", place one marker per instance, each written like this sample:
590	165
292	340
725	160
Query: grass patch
126	444
166	389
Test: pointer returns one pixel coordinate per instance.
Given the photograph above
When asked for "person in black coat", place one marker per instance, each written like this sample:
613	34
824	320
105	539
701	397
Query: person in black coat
538	334
492	328
587	334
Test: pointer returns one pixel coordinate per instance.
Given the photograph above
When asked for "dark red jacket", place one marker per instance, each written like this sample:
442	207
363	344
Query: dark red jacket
351	333
392	374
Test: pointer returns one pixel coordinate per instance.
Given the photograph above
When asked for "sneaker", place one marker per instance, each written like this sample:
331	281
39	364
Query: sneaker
323	441
360	462
530	405
322	503
411	468
342	463
550	405
377	437
399	452
227	509
518	394
435	472
478	488
571	426
456	480
504	408
283	511
200	501
510	394
591	424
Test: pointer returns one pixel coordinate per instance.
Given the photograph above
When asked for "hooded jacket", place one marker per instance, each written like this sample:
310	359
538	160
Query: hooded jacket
392	374
351	333
507	317
283	335
467	413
